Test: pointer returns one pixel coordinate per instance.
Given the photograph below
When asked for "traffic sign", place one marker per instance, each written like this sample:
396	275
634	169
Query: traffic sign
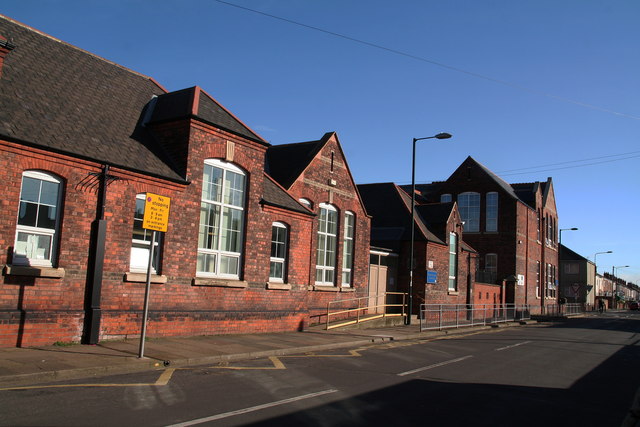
156	212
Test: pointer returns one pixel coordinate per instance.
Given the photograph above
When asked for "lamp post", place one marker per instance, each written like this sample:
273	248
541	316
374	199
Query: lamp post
565	229
614	286
596	255
442	135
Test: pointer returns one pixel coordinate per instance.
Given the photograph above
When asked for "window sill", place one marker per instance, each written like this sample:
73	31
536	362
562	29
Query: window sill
347	289
30	271
142	278
324	288
278	286
222	283
450	292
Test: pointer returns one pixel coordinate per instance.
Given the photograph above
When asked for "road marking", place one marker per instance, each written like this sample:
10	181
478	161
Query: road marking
162	380
277	364
459	359
252	409
513	345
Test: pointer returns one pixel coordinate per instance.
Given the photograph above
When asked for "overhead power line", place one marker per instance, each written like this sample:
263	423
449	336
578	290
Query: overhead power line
436	63
632	154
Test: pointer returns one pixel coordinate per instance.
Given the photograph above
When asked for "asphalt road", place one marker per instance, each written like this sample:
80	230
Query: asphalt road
583	372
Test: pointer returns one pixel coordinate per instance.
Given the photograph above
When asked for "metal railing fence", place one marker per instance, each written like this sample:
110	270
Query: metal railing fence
361	309
442	316
564	309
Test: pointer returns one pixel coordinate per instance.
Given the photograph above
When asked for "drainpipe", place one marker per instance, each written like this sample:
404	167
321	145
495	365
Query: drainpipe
93	311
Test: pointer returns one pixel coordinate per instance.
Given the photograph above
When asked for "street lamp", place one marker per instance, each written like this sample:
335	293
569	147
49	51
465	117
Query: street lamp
442	135
615	284
565	229
595	256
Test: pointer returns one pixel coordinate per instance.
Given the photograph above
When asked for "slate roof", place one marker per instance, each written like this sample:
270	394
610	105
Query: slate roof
58	97
286	162
275	195
390	208
194	102
61	98
567	254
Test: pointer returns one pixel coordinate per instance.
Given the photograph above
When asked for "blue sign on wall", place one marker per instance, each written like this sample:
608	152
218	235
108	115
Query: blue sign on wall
432	276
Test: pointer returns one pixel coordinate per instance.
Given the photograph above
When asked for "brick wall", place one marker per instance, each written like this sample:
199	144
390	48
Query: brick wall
40	311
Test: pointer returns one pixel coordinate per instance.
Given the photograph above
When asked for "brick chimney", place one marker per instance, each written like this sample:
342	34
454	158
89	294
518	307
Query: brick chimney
5	48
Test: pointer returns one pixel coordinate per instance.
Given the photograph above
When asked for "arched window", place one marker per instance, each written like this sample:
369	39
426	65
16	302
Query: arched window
38	219
326	248
469	207
306	202
141	242
347	249
279	248
492	212
221	220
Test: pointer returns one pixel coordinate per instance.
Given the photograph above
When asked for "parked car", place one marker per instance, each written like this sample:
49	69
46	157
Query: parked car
633	305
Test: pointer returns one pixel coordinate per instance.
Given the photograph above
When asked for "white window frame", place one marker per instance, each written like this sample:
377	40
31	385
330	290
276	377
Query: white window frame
348	249
281	261
453	262
139	259
306	202
491	209
223	207
327	245
469	213
51	233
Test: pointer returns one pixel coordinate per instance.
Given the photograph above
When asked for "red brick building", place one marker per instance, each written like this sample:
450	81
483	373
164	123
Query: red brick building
513	227
260	237
444	263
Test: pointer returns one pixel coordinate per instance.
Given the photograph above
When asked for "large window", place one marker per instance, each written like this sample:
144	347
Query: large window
221	220
347	255
469	206
453	261
141	242
278	261
492	212
38	219
491	266
326	249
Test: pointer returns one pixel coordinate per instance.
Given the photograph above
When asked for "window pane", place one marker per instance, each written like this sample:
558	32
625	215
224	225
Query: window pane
469	206
492	212
276	270
228	265
230	236
27	214
212	183
49	194
206	263
30	189
33	246
209	224
234	189
445	198
47	217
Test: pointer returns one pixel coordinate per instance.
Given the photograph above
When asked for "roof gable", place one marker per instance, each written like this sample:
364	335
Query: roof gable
286	162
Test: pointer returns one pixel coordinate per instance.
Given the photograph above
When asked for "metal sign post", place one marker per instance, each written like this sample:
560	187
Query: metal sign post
156	218
147	290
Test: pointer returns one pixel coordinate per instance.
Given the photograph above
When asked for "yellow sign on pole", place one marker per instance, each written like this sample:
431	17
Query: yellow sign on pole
156	212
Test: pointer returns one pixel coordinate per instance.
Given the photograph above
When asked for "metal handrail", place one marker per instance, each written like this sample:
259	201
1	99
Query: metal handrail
441	316
361	308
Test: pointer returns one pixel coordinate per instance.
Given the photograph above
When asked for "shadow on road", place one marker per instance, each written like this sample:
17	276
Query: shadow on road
594	400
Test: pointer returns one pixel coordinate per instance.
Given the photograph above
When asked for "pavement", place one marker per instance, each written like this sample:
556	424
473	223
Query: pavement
38	365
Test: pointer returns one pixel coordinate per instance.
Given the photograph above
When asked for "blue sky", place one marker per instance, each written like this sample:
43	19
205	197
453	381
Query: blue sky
520	84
